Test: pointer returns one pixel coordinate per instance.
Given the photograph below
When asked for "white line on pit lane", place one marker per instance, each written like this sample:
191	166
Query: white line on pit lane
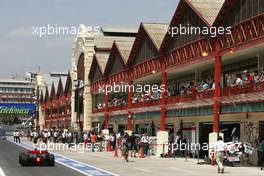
2	172
90	173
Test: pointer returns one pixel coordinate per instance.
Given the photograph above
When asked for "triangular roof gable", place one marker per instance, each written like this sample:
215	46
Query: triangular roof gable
41	97
206	9
224	12
179	14
144	35
46	94
117	60
96	71
60	90
52	92
68	85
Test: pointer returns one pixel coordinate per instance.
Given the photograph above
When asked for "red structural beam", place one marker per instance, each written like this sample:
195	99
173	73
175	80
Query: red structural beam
57	115
44	115
66	116
50	125
163	98
217	86
129	106
106	111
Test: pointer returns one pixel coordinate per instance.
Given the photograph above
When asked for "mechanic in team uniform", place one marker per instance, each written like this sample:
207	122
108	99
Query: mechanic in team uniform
220	149
35	136
16	135
45	136
93	140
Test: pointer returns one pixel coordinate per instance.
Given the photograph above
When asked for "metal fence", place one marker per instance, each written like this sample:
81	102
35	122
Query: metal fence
7	130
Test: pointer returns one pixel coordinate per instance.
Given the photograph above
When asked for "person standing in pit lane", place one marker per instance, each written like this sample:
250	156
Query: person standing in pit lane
220	149
49	136
31	135
35	136
55	136
93	140
125	145
133	141
45	136
16	135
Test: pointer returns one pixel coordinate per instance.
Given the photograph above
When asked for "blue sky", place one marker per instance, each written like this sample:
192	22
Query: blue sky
20	51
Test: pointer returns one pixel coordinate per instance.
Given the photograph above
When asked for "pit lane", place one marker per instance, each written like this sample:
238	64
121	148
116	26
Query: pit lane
9	153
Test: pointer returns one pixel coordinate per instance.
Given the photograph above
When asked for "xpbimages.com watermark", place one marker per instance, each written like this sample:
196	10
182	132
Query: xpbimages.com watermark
89	147
80	147
117	88
173	31
62	30
190	147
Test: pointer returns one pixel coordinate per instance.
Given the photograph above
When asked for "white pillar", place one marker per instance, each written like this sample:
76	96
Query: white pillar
88	58
162	142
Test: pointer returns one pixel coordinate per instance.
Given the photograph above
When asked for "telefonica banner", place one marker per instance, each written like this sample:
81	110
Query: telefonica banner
20	109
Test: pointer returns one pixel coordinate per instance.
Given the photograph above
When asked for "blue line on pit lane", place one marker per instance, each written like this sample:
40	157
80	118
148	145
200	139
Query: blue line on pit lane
73	164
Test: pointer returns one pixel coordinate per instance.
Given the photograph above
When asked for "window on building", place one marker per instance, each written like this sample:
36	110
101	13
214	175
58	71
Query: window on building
244	10
255	7
261	6
249	8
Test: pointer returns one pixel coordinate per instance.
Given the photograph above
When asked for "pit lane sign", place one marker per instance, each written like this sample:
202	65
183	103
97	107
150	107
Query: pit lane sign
16	108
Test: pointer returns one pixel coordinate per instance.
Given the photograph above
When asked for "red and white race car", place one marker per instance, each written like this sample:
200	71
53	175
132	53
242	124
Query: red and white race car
36	158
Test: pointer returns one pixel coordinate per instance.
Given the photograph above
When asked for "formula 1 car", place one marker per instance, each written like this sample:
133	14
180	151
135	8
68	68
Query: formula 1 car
36	158
234	153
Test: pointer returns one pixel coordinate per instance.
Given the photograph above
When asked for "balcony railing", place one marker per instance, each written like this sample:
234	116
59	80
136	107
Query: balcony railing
146	104
225	92
98	110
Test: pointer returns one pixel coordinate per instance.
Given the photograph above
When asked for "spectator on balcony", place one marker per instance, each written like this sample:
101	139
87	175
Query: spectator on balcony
134	98
169	91
174	90
183	90
213	85
228	80
205	86
238	80
158	94
188	89
124	102
257	77
250	78
194	89
245	76
210	82
261	75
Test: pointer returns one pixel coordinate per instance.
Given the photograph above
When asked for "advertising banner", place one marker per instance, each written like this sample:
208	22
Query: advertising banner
17	108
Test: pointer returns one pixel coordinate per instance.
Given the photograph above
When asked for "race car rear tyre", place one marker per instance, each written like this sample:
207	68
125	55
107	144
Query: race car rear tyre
23	159
51	160
20	156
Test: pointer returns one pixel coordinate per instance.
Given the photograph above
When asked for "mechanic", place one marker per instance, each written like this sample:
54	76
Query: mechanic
220	149
260	149
55	136
35	136
16	135
45	136
93	140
